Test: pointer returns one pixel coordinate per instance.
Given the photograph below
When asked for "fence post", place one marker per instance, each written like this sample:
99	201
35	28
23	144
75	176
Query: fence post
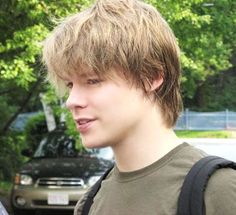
226	118
187	118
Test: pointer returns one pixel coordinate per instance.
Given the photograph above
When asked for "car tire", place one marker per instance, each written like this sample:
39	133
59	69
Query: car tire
23	212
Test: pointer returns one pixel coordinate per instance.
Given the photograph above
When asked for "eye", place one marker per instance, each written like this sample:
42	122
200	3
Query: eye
93	81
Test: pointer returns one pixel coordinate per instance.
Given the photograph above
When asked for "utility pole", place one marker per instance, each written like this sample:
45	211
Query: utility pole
50	119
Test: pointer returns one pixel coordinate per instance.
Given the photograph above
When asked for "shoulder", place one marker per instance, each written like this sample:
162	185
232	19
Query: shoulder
187	156
220	194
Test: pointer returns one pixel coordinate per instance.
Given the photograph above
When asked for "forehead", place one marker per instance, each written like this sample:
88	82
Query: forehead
80	73
114	73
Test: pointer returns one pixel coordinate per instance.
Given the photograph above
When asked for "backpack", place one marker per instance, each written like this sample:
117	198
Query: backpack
191	198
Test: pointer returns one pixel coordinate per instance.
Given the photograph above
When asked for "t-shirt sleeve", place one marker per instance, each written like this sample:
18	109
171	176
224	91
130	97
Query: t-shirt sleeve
220	194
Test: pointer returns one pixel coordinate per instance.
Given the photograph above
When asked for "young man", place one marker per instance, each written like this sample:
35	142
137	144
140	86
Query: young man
120	62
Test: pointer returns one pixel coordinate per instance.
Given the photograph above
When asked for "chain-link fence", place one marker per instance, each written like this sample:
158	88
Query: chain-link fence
190	120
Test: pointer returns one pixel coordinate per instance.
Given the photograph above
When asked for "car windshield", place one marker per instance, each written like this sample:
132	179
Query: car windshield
56	146
61	145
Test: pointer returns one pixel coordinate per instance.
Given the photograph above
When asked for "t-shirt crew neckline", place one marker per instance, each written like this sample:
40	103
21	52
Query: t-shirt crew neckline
130	176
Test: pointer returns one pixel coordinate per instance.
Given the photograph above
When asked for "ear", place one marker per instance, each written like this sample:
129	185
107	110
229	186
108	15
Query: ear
156	83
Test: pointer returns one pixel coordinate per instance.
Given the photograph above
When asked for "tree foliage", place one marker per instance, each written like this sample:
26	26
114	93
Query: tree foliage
222	86
206	35
24	24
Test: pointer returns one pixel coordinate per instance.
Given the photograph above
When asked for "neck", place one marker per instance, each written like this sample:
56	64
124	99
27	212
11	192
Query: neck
150	142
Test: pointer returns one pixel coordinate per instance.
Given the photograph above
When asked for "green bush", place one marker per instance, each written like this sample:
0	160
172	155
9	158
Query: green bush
10	154
5	187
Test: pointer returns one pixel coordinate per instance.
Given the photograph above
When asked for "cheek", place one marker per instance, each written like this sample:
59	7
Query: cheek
106	97
124	109
114	102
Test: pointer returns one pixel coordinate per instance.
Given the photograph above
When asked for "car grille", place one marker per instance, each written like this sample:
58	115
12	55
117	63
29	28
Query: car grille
61	182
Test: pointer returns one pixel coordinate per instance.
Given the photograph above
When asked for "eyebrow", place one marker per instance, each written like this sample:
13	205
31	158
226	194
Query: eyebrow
87	73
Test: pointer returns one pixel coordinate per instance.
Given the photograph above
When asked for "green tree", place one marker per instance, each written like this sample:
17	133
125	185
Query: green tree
23	26
206	34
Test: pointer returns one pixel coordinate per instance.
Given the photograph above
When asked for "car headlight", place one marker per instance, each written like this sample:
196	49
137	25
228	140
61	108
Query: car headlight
92	180
23	179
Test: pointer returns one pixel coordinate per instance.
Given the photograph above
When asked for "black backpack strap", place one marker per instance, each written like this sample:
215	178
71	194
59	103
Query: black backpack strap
191	199
93	192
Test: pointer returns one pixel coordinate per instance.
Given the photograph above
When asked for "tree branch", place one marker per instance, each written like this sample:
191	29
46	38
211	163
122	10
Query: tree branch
24	103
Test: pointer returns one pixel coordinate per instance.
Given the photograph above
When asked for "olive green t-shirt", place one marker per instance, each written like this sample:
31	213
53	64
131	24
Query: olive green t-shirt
155	189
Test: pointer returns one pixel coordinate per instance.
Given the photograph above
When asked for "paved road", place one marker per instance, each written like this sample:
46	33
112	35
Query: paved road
222	147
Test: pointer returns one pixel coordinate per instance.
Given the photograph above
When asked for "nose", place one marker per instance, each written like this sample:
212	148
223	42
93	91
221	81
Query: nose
76	99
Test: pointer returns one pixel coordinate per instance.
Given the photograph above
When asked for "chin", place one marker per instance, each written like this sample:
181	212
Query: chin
93	144
89	146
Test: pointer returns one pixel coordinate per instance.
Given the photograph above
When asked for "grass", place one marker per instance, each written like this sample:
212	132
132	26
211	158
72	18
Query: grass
205	134
5	187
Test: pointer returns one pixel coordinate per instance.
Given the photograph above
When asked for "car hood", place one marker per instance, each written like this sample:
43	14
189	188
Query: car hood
82	167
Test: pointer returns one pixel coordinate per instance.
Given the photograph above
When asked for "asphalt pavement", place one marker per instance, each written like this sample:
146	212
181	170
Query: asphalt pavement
215	146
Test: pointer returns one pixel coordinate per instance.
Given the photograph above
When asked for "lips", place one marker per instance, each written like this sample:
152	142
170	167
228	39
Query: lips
83	121
84	124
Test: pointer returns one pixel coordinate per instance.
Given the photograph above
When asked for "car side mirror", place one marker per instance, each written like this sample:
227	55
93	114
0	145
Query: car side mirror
27	152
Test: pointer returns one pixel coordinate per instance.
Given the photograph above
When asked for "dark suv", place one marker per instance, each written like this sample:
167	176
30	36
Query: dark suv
57	175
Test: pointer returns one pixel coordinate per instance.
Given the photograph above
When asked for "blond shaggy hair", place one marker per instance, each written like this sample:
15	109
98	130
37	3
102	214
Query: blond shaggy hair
129	34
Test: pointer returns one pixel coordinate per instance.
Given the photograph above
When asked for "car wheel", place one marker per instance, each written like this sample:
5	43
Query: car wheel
23	212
